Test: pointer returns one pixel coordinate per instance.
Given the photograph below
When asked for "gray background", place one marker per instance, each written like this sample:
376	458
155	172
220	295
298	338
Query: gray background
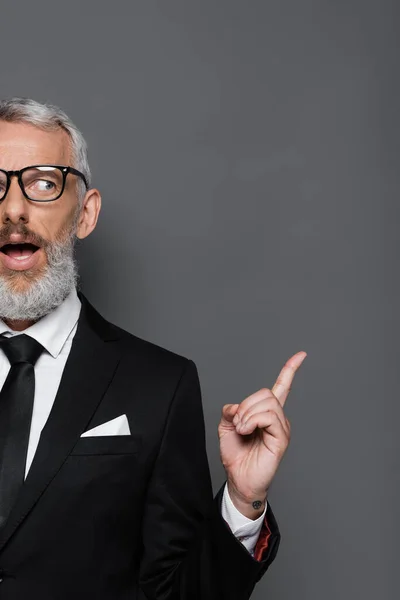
247	153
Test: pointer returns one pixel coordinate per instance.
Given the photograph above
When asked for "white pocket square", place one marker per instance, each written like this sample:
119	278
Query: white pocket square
118	426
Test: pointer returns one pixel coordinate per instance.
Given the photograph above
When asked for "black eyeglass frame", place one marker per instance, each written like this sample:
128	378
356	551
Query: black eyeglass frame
64	170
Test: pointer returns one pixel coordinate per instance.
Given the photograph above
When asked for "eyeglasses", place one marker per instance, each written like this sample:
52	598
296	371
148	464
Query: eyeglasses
41	183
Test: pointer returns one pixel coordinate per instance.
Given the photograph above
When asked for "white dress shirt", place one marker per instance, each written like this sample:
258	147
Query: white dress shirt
55	333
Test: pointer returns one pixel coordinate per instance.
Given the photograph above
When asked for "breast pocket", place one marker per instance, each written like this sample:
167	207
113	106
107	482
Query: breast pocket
107	444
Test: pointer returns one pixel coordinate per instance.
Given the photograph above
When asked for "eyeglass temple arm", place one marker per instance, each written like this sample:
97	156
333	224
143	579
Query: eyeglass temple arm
76	172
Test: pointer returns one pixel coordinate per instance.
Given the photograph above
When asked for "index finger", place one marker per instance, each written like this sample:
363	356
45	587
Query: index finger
283	383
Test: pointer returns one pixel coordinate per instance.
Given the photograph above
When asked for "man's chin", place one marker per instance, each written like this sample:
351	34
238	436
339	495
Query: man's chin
20	281
30	294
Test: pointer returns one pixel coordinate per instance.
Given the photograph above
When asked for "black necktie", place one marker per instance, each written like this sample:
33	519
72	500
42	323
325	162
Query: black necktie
16	403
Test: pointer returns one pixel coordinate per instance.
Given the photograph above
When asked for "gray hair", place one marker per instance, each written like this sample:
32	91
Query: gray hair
49	117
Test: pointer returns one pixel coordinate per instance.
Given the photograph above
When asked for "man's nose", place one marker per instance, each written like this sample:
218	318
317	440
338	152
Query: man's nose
15	207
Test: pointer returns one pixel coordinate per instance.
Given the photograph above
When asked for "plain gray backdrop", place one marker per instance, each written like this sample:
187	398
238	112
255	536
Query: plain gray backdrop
248	158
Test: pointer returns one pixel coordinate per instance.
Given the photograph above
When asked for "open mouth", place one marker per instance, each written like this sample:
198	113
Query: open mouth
19	251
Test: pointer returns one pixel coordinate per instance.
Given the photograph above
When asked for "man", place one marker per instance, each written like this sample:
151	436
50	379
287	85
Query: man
105	490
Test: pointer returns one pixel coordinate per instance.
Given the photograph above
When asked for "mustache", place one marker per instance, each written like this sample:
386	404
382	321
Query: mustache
29	237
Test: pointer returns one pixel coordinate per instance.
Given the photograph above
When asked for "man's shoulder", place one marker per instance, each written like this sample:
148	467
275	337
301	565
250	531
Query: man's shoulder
132	347
148	360
132	343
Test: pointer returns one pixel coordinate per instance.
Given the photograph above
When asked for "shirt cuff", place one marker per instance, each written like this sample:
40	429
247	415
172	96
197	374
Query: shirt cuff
244	529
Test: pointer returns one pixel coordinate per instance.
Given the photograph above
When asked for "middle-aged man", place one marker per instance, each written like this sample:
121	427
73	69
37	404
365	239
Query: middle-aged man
105	489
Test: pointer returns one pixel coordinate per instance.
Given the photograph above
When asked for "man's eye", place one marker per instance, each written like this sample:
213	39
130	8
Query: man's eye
43	185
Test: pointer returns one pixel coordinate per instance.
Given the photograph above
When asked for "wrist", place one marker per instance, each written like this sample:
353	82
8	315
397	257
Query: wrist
250	505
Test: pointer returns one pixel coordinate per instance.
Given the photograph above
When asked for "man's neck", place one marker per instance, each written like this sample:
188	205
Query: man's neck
18	325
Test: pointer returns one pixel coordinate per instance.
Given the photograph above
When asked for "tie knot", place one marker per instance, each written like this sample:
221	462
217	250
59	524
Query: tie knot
21	348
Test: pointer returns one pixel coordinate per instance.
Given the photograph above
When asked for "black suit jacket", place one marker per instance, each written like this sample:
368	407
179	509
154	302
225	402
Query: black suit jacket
124	517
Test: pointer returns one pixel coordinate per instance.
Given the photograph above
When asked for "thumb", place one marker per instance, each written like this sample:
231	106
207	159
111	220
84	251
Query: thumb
228	412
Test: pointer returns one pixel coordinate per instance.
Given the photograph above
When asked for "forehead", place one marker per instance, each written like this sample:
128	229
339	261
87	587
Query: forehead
22	145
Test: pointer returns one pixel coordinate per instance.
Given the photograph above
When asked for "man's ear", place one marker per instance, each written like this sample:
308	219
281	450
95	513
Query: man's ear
89	213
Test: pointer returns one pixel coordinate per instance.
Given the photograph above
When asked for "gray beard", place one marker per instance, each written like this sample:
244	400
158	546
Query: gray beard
46	292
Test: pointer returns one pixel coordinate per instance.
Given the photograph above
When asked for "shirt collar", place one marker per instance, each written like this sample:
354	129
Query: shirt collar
53	329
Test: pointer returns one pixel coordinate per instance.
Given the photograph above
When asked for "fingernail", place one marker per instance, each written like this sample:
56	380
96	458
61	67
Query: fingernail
235	419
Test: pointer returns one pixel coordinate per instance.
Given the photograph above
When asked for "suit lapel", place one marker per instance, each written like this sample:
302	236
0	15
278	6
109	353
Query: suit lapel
88	372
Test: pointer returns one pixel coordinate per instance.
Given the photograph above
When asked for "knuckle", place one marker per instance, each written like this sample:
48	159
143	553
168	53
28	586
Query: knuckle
266	391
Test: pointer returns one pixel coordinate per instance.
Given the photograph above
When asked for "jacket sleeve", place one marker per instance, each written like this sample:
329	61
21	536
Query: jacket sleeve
188	551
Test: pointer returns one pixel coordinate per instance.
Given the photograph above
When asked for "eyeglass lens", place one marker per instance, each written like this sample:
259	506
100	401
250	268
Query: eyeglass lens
39	183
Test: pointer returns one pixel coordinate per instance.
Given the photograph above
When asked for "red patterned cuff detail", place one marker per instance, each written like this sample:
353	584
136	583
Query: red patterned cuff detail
262	542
